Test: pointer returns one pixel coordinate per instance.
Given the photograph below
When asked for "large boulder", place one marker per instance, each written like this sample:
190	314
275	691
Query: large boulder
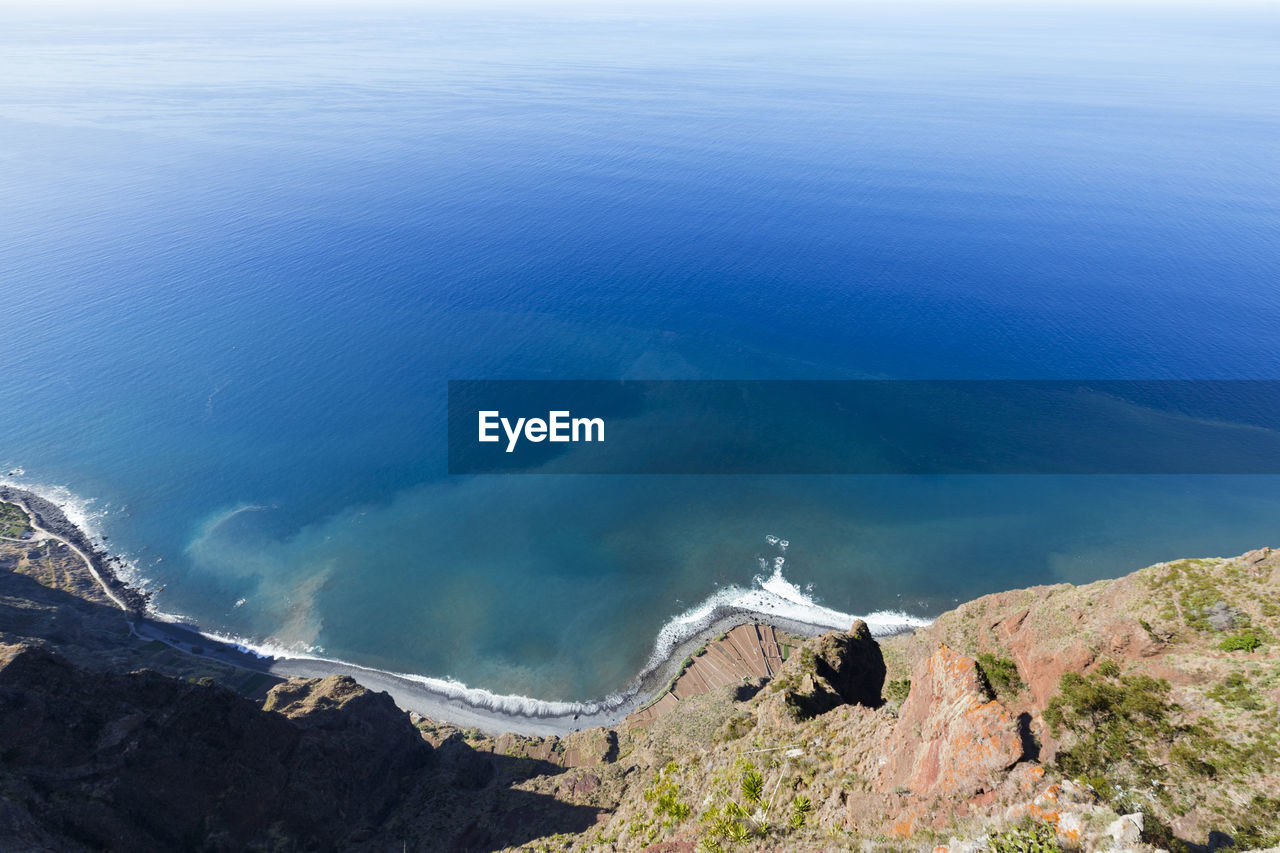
836	669
951	737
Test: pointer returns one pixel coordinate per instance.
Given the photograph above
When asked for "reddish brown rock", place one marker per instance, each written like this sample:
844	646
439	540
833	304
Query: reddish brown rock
1257	556
950	738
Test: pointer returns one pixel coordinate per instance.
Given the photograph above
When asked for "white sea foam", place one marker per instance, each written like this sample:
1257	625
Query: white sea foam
774	596
79	511
262	649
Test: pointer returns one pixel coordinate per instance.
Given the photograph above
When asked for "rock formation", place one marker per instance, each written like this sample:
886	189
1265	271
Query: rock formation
836	669
952	737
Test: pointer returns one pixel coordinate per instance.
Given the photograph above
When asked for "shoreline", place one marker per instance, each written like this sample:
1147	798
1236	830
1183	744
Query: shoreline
469	707
440	700
49	517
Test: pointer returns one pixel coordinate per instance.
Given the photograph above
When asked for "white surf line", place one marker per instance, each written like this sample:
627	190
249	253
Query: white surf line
31	516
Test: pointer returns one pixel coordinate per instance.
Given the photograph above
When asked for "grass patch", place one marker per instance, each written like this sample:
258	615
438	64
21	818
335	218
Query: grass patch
1258	830
1235	692
14	523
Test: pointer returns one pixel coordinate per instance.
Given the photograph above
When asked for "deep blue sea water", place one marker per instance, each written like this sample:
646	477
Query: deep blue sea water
242	252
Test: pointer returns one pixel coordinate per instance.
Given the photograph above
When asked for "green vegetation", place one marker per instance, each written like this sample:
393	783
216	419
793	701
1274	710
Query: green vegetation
741	820
13	521
668	808
897	690
1235	692
1122	732
1257	829
664	793
1246	641
1113	722
1198	587
1033	838
752	786
801	806
1108	668
737	726
1001	675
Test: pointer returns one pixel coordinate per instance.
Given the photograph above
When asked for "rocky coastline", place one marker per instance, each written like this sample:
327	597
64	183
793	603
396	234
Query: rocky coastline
49	516
434	698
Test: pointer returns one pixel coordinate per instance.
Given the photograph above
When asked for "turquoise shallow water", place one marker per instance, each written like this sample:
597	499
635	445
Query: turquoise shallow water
241	254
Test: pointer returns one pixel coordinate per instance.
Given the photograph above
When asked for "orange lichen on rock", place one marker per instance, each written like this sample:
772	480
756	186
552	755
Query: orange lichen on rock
951	737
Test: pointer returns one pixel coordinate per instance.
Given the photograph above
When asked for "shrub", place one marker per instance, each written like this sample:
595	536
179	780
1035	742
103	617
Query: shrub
1001	674
1189	757
1245	641
664	793
1109	718
1258	830
808	661
738	725
897	690
1236	692
1108	668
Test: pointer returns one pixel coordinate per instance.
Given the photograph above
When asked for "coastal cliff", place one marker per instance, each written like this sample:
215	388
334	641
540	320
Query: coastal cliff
1133	714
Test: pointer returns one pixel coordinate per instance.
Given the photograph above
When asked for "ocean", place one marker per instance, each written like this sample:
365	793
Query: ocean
243	251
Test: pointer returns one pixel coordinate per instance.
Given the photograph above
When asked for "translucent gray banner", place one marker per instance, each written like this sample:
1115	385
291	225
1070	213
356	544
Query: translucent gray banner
864	427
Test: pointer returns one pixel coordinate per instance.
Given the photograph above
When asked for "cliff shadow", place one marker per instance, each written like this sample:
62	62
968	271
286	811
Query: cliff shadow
98	636
477	801
462	799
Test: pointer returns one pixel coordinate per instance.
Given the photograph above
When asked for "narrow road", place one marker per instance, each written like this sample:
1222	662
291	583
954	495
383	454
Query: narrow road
31	517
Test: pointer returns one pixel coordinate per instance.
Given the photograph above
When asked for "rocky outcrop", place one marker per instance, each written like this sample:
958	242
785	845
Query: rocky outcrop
836	669
951	737
140	761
